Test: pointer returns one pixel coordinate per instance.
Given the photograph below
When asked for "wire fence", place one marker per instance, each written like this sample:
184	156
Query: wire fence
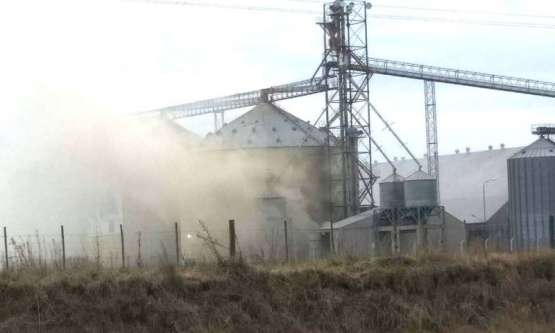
177	246
136	248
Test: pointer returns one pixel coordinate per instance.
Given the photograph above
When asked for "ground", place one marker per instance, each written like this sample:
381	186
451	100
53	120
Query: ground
429	293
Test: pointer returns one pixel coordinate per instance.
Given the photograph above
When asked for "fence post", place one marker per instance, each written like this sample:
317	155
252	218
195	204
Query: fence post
6	247
122	246
511	244
286	241
486	244
551	232
139	251
232	239
462	247
177	245
63	248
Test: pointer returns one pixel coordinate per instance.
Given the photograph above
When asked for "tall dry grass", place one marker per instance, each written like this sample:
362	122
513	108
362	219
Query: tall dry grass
428	293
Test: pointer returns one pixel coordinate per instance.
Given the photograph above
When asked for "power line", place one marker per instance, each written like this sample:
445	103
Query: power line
227	6
464	11
387	17
448	10
461	21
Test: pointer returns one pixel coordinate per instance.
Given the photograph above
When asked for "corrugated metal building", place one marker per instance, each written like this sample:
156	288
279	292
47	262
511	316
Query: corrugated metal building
278	145
461	178
283	145
359	235
532	195
293	151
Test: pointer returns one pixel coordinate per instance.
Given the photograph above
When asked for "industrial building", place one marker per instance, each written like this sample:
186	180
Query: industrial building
461	193
286	167
469	193
532	194
323	182
501	198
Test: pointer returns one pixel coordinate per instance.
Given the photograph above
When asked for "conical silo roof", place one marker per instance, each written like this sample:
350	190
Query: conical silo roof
267	126
393	178
420	175
531	189
542	147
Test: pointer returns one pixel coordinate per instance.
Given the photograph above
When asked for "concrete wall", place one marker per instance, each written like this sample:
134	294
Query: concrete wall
356	238
360	238
496	230
454	233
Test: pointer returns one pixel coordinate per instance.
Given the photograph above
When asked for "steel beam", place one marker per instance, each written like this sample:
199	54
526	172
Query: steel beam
461	77
431	130
374	66
252	98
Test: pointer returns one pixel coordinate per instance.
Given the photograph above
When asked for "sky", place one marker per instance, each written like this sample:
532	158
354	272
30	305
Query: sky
129	56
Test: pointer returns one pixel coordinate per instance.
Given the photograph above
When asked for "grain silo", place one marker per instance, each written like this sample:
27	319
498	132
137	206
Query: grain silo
281	163
392	191
531	175
273	140
420	190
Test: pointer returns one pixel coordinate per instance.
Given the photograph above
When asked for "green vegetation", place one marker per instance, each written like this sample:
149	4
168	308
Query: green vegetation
430	293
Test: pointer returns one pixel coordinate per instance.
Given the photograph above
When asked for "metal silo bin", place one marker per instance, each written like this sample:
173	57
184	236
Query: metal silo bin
392	192
531	175
420	190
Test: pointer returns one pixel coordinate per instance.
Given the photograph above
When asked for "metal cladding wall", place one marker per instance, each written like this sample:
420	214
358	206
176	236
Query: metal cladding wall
420	190
531	175
392	192
273	209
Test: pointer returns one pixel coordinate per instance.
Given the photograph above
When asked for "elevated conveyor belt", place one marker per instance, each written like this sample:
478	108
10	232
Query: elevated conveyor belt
272	94
461	77
375	66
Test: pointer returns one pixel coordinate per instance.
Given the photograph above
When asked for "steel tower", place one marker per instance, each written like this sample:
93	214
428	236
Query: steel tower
344	66
431	130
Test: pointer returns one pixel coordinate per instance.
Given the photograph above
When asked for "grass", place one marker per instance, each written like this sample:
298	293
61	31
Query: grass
429	293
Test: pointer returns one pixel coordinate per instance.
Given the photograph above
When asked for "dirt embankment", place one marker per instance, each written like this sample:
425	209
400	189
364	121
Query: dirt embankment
429	294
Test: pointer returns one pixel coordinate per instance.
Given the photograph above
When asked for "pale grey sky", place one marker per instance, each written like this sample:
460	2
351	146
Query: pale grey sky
130	56
63	63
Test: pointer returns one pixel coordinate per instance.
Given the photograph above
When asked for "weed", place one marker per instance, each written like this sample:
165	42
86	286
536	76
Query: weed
428	293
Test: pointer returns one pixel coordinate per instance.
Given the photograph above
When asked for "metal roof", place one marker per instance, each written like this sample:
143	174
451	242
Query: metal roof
542	147
393	178
366	216
461	177
420	175
266	126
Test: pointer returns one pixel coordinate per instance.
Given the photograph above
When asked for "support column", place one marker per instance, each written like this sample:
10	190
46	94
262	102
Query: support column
393	241
398	242
431	130
421	231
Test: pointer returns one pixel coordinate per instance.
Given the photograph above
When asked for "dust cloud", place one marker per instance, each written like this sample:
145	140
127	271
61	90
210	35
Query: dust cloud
68	157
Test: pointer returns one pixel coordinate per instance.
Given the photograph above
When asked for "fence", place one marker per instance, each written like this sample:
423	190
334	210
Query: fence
279	242
128	248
